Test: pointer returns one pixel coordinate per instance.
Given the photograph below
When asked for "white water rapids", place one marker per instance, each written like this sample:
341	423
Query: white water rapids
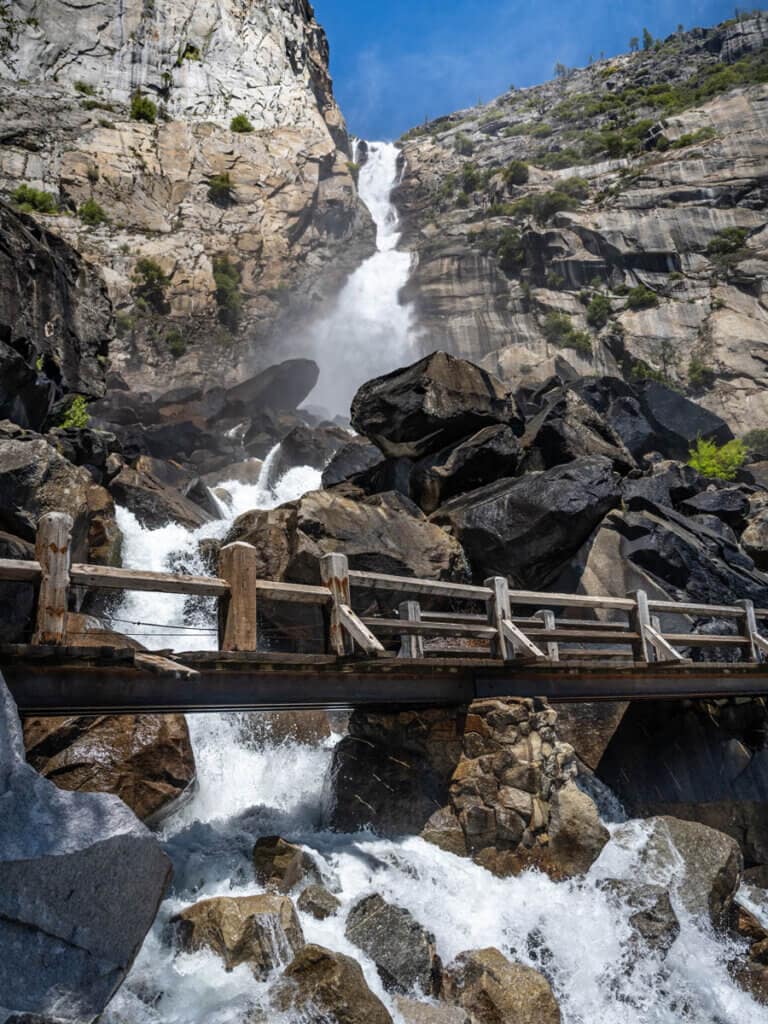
250	785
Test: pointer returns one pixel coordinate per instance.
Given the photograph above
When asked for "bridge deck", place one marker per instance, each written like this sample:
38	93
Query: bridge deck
72	681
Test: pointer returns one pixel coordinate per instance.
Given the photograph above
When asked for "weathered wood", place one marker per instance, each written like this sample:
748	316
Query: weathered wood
498	611
662	646
519	641
640	617
422	628
751	632
411	646
532	597
334	572
17	570
163	666
359	631
238	565
705	640
590	636
108	578
412	585
292	593
550	623
53	552
721	611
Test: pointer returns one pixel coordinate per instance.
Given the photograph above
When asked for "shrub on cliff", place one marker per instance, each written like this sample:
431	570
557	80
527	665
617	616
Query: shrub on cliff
516	173
228	298
76	415
718	463
598	310
150	284
641	297
559	330
463	144
91	213
34	200
727	242
221	191
240	124
142	108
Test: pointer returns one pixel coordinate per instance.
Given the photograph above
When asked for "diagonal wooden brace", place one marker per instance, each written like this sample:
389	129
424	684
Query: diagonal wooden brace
518	639
662	646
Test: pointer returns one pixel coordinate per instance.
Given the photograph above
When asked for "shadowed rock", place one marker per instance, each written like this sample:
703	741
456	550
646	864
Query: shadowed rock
328	985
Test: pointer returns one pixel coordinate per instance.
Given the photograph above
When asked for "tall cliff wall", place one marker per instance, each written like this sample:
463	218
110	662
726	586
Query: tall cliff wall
241	226
542	221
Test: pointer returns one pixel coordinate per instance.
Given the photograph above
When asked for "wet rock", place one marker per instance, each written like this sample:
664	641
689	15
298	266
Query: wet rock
618	402
307	446
318	901
494	990
260	931
730	504
491	453
355	456
17	600
653	918
703	865
678	422
80	883
423	407
153	503
294	726
528	528
146	760
577	836
85	447
282	387
282	865
666	483
415	1012
403	951
321	984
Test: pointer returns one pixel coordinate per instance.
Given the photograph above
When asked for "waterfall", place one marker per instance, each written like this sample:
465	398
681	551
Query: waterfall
368	331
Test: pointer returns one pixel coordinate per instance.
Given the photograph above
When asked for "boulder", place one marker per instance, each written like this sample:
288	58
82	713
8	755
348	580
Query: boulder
153	503
700	865
665	483
318	902
424	407
84	446
653	918
146	760
265	428
80	883
490	453
754	539
576	834
618	402
282	865
730	504
17	600
413	1011
260	931
494	990
307	446
283	386
678	422
323	985
528	528
353	457
403	951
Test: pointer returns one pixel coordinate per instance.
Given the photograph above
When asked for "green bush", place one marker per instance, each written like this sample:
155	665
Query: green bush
509	250
463	145
228	298
472	178
700	374
691	138
85	88
718	463
91	213
558	329
727	241
76	415
221	191
142	108
462	200
641	297
599	310
544	205
190	52
34	200
175	342
516	173
150	284
756	441
240	124
354	170
554	280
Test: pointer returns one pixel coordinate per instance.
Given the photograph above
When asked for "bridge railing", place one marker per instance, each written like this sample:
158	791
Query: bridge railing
629	628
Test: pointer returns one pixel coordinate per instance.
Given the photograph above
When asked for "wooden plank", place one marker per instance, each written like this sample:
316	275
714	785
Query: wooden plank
640	618
238	565
359	631
587	636
293	593
53	552
108	578
163	666
542	599
703	640
661	646
334	572
519	640
18	570
550	623
422	628
686	608
410	646
412	585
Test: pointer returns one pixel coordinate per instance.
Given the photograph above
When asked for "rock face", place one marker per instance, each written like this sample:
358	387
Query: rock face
80	882
260	931
318	901
240	224
146	760
403	951
282	865
678	209
329	985
653	918
493	990
491	782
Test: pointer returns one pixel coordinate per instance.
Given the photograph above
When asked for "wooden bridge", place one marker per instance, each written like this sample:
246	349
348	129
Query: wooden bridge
501	642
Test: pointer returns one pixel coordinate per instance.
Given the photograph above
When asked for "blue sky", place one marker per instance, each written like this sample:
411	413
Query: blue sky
396	61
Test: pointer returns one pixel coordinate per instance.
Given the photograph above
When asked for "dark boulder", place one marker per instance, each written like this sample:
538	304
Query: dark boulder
356	456
266	428
282	387
403	951
86	447
17	600
153	503
281	865
678	422
386	475
666	483
124	408
730	504
307	446
491	453
529	527
320	985
422	408
618	402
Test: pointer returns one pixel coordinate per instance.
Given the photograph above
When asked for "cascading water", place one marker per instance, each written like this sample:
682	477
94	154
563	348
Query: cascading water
368	331
250	787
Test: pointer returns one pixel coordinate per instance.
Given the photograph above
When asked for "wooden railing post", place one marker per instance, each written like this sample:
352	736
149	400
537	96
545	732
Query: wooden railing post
334	572
53	551
751	632
498	609
238	565
411	646
640	617
547	616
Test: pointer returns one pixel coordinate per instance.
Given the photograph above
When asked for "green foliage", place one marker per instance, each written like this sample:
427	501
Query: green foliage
700	374
175	342
76	415
721	463
756	441
558	329
727	241
598	310
462	200
240	124
221	191
124	324
544	205
516	173
150	284
554	280
228	298
190	52
85	88
641	297
691	138
354	170
142	108
647	39
34	200
91	213
463	145
509	250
